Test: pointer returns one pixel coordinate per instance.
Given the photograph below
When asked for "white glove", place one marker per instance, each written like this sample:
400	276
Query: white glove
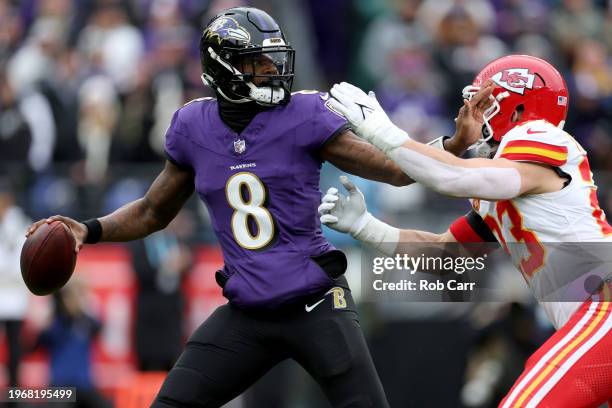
344	214
367	117
350	215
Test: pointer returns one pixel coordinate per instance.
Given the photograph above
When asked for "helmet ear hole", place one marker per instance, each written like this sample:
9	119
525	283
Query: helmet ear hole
518	113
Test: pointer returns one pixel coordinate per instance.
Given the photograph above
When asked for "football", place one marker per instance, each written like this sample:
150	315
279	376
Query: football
48	258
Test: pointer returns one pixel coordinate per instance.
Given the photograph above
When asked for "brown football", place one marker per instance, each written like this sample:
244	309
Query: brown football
48	258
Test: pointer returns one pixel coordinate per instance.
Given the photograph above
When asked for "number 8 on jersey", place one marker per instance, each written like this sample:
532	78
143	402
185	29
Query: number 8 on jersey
250	206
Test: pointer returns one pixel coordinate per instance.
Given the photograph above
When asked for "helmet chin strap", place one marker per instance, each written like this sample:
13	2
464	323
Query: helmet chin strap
264	95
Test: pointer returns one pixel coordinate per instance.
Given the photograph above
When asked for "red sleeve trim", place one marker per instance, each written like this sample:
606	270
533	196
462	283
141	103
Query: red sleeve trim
533	158
538	145
524	150
463	231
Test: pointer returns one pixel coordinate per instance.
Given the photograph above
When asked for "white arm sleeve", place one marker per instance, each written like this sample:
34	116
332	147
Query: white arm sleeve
490	183
376	234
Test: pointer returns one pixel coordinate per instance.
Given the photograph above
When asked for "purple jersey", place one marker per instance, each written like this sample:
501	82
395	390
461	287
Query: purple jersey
261	188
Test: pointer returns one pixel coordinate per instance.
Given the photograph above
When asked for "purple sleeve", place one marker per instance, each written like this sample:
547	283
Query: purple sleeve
327	122
176	152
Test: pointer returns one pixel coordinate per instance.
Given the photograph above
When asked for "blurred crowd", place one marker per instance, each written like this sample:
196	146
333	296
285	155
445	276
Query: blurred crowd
88	88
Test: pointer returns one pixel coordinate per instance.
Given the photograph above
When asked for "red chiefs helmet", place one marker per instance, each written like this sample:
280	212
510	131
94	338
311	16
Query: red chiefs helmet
521	80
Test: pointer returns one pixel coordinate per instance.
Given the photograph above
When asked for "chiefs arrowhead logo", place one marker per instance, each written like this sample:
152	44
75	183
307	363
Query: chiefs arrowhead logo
515	79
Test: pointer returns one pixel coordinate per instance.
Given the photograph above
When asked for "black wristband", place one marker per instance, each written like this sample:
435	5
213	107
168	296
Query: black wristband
94	231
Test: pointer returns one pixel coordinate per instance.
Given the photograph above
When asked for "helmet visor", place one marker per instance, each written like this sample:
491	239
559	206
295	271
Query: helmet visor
266	66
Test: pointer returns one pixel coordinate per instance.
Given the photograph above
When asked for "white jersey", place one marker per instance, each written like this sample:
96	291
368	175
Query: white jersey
526	226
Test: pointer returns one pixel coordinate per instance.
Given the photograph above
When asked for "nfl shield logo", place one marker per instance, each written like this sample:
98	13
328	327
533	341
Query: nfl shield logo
239	146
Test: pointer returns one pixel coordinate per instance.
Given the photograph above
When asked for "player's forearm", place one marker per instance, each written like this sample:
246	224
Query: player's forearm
132	221
364	160
355	156
456	177
417	243
368	162
373	165
391	241
454	145
165	198
411	236
376	234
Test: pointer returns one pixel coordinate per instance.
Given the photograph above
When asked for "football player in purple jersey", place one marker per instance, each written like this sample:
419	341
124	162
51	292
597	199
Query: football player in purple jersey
253	154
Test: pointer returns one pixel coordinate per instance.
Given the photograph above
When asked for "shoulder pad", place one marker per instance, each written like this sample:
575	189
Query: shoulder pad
206	98
536	141
306	92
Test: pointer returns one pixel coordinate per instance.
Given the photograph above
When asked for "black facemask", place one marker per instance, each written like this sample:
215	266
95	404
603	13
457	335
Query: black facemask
238	115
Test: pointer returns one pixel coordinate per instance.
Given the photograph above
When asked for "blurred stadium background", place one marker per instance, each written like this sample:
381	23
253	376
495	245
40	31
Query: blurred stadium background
87	89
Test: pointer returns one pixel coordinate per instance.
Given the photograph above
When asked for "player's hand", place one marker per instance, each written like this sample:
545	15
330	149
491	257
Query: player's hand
469	121
79	230
367	117
345	214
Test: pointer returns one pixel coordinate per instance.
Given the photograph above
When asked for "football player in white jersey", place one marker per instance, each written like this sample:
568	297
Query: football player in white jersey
531	185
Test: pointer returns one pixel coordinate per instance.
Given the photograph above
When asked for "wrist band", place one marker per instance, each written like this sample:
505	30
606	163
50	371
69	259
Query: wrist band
94	231
439	142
